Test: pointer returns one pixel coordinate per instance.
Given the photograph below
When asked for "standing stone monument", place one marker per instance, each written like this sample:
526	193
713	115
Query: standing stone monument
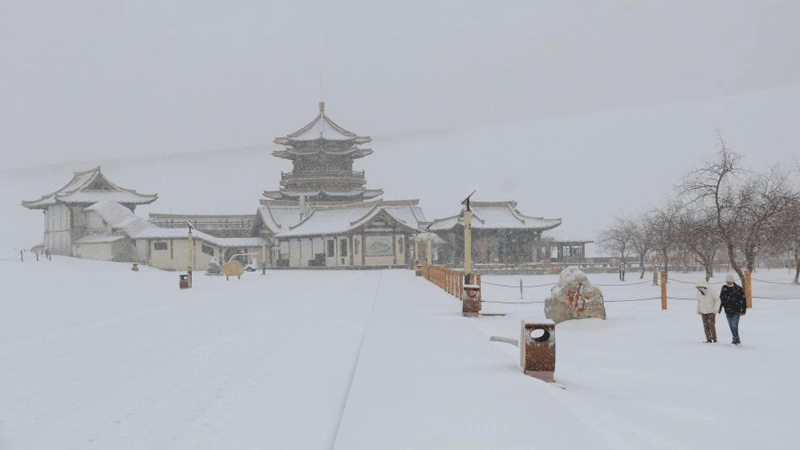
574	297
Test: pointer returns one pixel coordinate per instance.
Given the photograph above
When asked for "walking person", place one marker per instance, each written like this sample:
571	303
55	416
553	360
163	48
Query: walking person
708	304
735	304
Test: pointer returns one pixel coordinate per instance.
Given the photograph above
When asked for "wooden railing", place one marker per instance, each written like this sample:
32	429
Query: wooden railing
451	281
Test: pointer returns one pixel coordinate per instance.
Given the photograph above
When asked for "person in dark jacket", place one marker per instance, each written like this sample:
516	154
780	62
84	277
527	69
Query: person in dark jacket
734	302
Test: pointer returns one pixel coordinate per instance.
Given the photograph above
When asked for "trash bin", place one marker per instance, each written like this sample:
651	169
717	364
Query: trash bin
418	268
135	267
184	282
471	295
537	349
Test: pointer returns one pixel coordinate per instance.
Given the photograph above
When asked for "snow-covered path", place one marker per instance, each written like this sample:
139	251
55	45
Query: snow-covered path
261	362
94	356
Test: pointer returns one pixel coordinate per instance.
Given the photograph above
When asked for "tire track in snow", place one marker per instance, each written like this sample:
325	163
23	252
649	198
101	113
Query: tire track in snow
355	363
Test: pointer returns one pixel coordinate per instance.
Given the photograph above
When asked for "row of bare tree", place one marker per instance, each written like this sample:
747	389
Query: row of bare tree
720	212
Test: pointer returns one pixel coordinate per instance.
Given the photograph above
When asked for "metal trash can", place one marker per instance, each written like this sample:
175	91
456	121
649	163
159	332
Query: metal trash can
537	349
184	282
471	295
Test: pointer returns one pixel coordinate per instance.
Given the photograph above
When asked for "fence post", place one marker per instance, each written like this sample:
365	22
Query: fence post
663	289
520	289
21	259
748	288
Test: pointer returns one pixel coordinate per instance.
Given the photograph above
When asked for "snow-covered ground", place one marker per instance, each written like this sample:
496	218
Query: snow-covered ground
94	356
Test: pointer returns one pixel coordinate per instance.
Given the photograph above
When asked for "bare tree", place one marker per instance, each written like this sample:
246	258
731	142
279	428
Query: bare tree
745	206
661	225
697	233
763	201
785	237
617	239
641	244
711	185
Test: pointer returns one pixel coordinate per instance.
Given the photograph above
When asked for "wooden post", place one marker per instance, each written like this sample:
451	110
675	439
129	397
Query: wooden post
449	281
467	241
748	288
416	249
21	258
520	289
663	289
264	257
189	242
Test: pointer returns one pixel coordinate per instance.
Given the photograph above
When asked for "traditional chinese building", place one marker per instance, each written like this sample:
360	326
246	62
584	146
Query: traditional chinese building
323	215
375	233
322	155
66	221
501	234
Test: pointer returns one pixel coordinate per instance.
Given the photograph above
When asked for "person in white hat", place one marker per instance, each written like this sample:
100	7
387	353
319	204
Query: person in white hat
734	302
708	304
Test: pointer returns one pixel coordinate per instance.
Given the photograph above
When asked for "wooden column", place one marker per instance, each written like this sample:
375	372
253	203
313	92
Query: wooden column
428	255
748	288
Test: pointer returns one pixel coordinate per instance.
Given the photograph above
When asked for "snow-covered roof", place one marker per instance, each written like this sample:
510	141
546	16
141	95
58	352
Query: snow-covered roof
325	220
322	128
100	239
278	215
352	152
119	217
89	187
364	193
122	219
496	216
154	233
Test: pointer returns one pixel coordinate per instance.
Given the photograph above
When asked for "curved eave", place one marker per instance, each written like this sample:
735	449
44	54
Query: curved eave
460	223
352	152
47	202
288	141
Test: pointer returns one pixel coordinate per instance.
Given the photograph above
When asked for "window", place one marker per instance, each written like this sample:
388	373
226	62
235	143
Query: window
207	249
343	248
331	249
160	245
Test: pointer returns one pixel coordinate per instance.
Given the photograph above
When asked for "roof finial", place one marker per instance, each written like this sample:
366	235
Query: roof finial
322	107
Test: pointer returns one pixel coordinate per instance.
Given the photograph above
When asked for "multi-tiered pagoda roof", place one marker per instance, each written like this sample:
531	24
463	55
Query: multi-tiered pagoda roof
89	187
322	155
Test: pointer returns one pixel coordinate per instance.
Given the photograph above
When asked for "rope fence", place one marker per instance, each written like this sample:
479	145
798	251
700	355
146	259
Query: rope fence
777	282
452	282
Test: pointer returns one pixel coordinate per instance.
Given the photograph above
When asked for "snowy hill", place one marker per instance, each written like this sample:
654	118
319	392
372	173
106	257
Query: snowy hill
584	168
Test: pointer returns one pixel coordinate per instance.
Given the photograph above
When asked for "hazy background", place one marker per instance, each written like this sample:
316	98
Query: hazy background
575	109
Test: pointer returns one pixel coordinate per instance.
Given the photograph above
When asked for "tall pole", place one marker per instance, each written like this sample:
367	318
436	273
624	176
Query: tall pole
264	257
416	248
189	243
430	260
467	241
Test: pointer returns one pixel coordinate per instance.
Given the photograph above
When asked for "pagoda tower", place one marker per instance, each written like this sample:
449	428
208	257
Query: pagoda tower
322	155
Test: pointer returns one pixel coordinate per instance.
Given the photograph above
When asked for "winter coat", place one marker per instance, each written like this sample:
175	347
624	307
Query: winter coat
733	299
708	301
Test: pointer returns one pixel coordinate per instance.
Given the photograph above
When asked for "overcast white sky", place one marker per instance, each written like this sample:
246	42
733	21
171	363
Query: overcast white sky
102	79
